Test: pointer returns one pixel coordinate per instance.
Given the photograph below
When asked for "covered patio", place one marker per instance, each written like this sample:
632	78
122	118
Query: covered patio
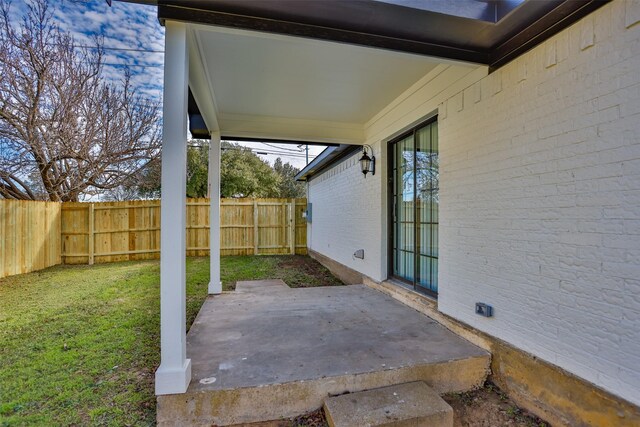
238	84
346	74
266	352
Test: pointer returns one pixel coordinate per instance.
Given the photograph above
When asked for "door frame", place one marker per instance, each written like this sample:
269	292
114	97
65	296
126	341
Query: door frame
390	208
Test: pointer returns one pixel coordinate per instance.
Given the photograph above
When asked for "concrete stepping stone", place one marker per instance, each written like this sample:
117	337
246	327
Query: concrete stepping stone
409	404
261	286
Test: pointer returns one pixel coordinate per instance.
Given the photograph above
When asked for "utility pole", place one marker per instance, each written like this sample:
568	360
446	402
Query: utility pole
306	149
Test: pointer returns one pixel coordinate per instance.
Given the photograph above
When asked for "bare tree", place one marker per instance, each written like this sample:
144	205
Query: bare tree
64	131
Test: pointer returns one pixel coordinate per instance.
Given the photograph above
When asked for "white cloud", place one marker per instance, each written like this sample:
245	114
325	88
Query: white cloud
122	26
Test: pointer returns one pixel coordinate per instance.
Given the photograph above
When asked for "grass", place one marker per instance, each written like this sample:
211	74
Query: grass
79	344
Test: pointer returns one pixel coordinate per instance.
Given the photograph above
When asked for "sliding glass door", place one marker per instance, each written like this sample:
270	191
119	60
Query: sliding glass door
414	208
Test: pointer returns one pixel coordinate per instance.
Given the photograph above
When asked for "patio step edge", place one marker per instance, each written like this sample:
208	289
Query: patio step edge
227	407
408	404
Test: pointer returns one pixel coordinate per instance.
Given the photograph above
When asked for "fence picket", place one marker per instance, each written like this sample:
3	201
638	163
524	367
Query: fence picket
29	236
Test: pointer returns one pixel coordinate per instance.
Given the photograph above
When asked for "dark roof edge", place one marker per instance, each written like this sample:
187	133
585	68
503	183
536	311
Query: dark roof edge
297	29
544	28
326	159
555	16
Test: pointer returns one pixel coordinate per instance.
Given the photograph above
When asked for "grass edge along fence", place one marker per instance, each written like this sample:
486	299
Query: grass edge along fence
36	235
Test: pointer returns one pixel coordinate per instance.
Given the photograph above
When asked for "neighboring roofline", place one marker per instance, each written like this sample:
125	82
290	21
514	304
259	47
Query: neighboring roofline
197	125
326	159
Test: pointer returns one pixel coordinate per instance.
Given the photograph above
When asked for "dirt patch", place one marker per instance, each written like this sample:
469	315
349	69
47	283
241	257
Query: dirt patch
489	407
304	271
297	271
312	419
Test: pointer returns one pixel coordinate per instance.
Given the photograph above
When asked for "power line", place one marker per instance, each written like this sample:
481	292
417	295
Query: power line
265	152
280	148
282	151
112	64
279	153
124	49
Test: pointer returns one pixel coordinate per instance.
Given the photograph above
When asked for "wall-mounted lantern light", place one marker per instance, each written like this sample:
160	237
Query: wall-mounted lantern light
367	164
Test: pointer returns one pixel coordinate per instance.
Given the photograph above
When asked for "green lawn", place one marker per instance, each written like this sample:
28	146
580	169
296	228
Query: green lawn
79	344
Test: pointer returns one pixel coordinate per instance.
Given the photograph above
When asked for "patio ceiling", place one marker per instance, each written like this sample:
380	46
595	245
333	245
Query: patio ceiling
253	84
319	70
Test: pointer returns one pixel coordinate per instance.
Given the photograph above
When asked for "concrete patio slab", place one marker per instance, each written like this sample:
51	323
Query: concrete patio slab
259	356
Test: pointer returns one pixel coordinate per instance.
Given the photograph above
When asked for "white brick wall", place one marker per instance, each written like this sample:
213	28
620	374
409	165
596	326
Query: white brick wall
540	201
346	215
540	197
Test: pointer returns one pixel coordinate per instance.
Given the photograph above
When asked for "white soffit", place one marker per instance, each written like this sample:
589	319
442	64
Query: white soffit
254	74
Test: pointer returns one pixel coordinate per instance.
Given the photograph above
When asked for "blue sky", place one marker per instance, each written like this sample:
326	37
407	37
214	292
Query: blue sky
133	37
123	26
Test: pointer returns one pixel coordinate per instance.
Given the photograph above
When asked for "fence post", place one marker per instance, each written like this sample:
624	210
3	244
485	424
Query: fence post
91	233
292	226
256	233
283	220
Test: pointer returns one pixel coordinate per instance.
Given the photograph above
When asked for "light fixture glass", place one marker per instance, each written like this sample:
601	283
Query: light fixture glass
367	164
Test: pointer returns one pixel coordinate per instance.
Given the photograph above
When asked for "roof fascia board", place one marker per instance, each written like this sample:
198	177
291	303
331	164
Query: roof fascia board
561	17
296	29
561	14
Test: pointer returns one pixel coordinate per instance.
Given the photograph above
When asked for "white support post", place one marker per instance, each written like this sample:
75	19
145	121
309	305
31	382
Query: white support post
215	285
174	374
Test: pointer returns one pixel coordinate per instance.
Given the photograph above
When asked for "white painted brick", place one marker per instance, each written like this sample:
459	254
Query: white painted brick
562	46
587	36
496	81
552	220
551	57
346	207
442	111
458	102
631	226
632	13
539	201
522	69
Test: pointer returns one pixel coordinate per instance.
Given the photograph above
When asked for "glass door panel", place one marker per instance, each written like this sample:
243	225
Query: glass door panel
415	173
404	210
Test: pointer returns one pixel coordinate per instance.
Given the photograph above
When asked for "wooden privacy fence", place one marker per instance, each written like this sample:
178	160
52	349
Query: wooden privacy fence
119	231
29	236
36	235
